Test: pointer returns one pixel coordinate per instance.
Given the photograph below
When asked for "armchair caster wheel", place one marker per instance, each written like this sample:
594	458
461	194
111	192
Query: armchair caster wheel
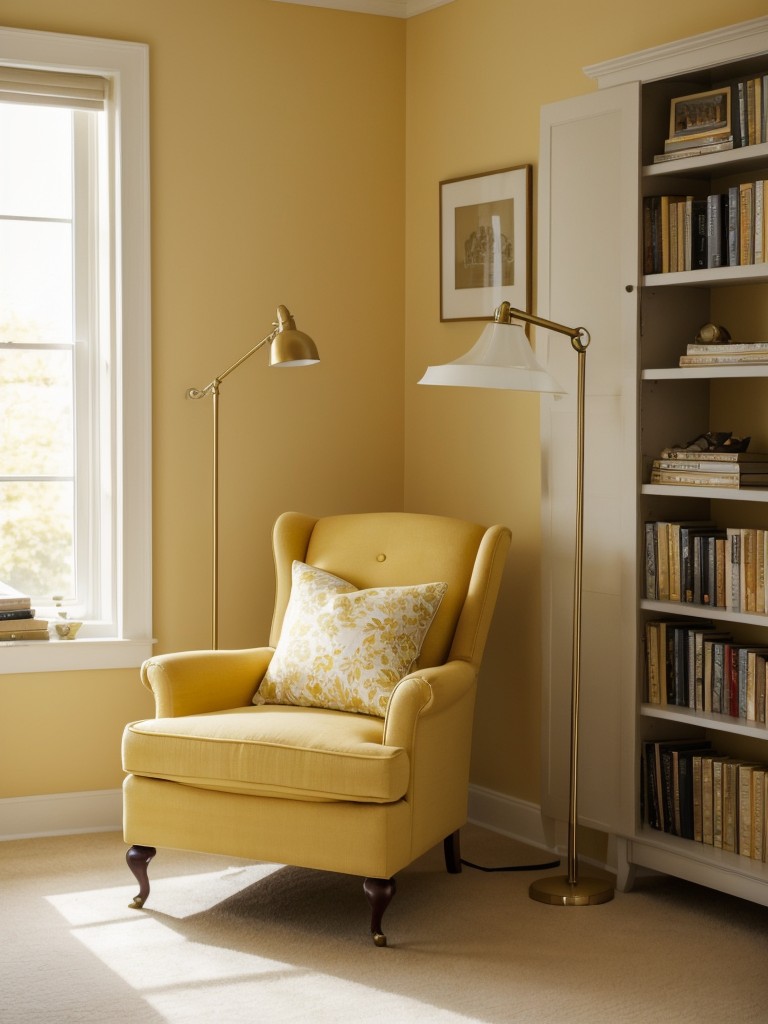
379	939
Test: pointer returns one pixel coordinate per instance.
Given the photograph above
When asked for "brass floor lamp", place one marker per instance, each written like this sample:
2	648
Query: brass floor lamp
503	358
289	347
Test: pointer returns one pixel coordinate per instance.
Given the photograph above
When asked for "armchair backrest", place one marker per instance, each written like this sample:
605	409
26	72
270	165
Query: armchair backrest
387	549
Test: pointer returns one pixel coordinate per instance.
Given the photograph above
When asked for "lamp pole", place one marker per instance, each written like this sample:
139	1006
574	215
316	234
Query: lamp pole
502	358
291	348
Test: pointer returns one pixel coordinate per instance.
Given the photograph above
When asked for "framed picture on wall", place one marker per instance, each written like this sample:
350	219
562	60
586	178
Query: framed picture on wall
485	243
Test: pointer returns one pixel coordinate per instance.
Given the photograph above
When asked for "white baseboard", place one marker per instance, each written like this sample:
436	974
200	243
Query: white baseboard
58	814
515	818
524	822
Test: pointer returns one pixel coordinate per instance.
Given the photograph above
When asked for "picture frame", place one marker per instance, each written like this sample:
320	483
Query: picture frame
485	243
700	115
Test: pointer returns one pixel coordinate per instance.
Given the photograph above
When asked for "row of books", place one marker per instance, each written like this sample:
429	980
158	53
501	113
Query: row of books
742	353
18	619
695	665
725	229
692	468
749	110
696	562
690	790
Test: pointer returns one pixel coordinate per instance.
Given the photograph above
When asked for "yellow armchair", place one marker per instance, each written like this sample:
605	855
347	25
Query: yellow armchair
319	777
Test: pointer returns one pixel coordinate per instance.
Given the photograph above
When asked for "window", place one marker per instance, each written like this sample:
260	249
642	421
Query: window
74	343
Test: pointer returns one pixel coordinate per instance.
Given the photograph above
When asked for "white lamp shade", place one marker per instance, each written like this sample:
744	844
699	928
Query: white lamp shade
501	358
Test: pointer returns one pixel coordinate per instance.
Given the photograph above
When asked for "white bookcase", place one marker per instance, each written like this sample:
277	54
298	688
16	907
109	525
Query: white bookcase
596	166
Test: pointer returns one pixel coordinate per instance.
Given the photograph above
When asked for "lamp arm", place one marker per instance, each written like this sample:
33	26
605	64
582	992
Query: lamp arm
213	386
579	335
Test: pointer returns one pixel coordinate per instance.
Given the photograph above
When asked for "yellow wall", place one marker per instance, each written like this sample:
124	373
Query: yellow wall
277	156
477	73
307	173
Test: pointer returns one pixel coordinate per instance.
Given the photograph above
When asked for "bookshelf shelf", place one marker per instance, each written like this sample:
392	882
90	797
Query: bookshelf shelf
597	152
706	865
748	158
703	611
711	278
758	494
703	372
707	720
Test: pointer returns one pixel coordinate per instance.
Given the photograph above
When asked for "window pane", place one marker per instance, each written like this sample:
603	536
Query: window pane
36	425
35	281
37	537
35	161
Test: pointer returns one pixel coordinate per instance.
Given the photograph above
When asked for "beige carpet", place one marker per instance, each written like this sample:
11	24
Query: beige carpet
224	941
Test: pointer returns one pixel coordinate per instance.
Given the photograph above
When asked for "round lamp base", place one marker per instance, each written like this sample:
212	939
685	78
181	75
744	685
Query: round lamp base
558	891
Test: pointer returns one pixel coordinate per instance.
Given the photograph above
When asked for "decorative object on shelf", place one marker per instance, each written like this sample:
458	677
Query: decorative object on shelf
485	242
713	441
712	334
289	347
502	358
65	628
700	118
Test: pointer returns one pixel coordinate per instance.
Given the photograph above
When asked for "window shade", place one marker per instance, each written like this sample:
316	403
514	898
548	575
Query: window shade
53	88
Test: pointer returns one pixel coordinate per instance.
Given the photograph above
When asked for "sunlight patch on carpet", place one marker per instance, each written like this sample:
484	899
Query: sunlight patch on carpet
162	955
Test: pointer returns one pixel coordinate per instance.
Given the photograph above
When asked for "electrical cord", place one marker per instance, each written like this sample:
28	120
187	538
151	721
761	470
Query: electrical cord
513	867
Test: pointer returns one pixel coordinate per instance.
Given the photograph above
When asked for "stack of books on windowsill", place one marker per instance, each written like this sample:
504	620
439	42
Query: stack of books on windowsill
710	469
741	353
17	617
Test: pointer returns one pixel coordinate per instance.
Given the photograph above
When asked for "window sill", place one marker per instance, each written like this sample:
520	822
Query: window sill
72	655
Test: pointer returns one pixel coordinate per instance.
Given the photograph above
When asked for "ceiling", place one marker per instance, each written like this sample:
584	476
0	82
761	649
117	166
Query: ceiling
389	8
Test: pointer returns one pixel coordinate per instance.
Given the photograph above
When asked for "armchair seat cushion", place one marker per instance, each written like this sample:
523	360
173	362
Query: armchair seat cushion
291	752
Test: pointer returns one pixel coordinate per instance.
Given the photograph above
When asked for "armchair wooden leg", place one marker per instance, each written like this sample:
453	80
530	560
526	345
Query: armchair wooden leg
138	858
379	892
452	850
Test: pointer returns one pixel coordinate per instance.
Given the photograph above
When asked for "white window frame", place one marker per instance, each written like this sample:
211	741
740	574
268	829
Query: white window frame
127	67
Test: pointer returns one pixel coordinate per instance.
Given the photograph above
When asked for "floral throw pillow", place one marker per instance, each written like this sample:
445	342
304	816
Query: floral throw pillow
344	648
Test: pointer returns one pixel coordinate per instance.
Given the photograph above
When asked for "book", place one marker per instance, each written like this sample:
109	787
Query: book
28	634
688	792
723	348
682	453
759	779
697	465
725	358
651	586
23	625
26	628
662	782
730	797
695	479
692	150
16	613
10	598
717	230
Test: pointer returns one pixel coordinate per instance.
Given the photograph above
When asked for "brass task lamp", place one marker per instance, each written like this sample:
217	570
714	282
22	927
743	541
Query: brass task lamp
289	347
503	358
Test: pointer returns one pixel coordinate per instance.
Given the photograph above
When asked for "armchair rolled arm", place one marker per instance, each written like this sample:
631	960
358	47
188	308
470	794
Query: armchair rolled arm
196	682
425	693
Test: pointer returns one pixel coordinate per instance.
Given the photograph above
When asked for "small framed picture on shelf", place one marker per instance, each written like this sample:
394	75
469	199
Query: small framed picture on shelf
485	243
700	115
